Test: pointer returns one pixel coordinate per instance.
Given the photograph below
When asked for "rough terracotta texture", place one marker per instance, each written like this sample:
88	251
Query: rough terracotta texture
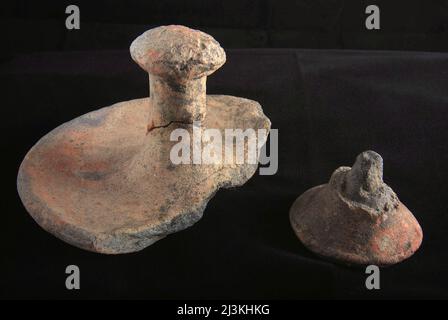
105	182
356	218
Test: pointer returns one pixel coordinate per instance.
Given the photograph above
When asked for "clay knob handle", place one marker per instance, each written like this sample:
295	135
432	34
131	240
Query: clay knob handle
177	52
178	59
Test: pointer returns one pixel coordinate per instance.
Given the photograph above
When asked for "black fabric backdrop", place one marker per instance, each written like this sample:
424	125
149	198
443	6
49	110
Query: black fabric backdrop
329	105
29	25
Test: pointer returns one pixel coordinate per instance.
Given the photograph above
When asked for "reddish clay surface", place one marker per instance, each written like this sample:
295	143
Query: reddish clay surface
104	181
356	218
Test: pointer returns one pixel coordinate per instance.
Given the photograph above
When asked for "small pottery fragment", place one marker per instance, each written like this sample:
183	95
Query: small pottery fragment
105	181
356	218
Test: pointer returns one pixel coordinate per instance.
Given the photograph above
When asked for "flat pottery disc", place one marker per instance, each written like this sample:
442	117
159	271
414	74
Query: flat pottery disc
104	181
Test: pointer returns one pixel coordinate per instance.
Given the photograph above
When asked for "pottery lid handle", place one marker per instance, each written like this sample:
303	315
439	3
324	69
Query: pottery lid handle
177	52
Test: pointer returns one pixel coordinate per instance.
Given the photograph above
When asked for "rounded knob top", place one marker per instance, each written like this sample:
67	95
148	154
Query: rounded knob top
366	172
177	52
363	183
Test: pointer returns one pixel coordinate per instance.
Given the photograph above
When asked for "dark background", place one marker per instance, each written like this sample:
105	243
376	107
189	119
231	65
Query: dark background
386	91
30	26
